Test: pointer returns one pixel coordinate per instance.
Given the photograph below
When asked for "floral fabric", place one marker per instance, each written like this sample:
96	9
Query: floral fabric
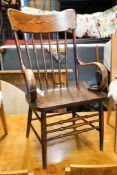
107	22
86	25
98	25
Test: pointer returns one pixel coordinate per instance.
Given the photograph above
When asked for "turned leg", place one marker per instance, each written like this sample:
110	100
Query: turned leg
44	139
101	125
29	121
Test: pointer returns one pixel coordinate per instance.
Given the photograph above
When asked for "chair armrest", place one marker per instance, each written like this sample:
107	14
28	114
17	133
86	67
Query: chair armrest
30	83
103	72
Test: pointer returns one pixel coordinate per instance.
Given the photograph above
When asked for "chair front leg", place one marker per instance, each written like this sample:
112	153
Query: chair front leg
101	125
29	121
44	139
73	114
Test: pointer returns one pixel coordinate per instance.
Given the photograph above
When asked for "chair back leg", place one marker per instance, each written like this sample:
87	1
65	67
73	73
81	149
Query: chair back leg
109	111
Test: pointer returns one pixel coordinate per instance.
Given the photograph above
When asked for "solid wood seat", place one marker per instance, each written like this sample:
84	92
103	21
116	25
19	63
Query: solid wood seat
106	169
66	97
70	94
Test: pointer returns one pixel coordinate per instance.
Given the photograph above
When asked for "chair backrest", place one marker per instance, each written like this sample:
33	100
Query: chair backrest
50	56
108	169
39	55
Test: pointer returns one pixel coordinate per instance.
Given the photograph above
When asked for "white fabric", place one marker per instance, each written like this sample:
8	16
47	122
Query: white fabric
40	92
86	25
113	91
99	24
107	22
107	55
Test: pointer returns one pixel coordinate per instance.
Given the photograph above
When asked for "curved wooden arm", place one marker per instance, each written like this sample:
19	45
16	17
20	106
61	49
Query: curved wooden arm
31	83
103	72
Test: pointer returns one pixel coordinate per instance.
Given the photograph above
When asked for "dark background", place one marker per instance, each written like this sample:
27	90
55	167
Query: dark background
87	6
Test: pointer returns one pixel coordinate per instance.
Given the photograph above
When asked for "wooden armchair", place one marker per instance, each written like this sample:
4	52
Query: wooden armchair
75	169
50	96
113	72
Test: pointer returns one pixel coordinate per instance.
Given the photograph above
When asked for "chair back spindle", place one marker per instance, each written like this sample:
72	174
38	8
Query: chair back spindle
47	56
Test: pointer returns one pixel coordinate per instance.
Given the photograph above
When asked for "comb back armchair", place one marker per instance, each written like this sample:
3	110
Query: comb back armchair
52	97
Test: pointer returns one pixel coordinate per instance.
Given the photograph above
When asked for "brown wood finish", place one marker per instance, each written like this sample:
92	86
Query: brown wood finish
42	23
103	71
70	94
75	169
113	70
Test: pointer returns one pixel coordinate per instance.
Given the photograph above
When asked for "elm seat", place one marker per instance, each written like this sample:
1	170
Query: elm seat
45	96
65	97
104	169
